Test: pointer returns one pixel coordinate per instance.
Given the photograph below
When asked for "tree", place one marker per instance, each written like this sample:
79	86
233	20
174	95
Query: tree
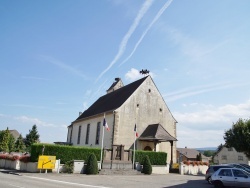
32	137
11	143
92	165
4	142
219	147
209	153
19	145
239	136
198	157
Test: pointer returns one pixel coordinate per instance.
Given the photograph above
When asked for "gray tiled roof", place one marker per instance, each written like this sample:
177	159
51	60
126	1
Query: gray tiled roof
189	152
155	132
111	101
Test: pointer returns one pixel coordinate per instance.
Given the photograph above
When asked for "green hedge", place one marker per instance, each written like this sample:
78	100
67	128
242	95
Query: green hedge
64	153
156	158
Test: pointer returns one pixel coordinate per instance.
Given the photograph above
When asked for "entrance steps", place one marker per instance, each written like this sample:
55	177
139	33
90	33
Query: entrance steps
119	172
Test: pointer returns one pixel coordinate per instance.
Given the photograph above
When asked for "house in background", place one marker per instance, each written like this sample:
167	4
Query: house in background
188	154
137	103
230	155
15	133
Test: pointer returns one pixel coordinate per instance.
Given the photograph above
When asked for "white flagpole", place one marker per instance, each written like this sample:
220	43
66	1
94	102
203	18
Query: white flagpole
134	151
102	140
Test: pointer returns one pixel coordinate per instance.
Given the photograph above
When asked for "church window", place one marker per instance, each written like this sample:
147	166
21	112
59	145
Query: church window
87	134
97	139
79	134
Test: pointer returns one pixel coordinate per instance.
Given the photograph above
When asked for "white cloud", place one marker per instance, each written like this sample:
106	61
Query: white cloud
187	92
36	121
146	5
223	115
199	138
133	75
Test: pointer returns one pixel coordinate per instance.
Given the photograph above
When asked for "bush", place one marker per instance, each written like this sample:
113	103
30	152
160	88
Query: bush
147	167
64	153
69	167
156	158
92	166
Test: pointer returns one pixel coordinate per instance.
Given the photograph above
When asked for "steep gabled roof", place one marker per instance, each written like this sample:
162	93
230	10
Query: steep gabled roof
111	101
155	132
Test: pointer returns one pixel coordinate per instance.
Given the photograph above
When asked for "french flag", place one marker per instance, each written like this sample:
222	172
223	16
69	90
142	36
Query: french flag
136	133
105	124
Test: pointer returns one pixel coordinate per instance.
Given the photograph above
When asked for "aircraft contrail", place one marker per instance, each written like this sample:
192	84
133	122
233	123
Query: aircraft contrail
158	15
146	5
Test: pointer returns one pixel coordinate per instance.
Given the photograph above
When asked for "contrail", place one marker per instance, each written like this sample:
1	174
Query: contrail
125	39
158	15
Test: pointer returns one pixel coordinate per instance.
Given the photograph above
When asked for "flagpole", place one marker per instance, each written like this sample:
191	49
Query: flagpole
134	150
102	141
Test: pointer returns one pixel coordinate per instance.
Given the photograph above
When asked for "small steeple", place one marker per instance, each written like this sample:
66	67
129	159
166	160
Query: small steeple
116	85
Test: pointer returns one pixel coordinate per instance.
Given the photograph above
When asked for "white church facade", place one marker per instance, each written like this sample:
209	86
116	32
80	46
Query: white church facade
137	103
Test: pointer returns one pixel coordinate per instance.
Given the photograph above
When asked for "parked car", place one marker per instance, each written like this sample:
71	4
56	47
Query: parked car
213	168
234	177
241	166
246	166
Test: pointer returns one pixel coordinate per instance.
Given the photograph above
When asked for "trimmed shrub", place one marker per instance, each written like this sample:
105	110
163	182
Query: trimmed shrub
92	166
156	158
64	153
147	167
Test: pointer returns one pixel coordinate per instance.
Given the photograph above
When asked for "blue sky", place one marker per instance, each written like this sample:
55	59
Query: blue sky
57	57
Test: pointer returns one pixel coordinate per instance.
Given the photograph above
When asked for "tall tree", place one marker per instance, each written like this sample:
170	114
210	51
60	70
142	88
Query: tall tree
5	140
219	147
32	137
239	136
19	145
11	143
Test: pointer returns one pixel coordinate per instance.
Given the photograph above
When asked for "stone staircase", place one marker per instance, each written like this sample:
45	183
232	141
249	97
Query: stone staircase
119	172
118	168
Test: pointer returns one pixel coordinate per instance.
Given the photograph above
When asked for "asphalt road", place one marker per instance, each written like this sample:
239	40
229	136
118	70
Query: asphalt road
51	180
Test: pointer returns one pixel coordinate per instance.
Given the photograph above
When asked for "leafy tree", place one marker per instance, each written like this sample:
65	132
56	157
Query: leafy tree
92	165
19	145
209	153
11	143
198	157
219	147
1	135
239	136
32	137
4	142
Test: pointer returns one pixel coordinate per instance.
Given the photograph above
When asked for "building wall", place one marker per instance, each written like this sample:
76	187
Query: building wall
146	106
230	155
107	142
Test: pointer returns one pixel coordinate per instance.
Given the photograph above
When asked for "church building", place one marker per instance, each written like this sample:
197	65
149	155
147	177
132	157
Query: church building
138	107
